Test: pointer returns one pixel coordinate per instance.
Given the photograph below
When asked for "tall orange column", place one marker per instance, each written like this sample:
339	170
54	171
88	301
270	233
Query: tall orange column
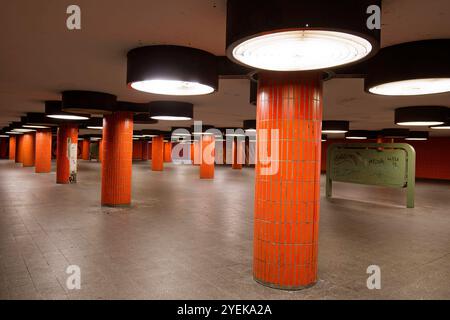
192	152
12	148
287	189
67	154
144	150
43	151
208	153
238	158
19	151
167	152
117	159
86	149
100	151
28	150
158	154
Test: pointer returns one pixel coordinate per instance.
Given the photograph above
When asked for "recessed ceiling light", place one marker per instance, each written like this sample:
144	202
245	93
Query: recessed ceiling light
335	126
172	87
88	102
53	110
24	130
172	70
14	132
94	128
302	50
410	69
412	87
29	126
298	35
171	111
421	116
418	136
3	136
445	126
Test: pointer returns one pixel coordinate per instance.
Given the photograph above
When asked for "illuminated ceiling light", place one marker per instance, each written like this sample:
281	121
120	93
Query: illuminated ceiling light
445	126
24	130
35	127
53	110
35	120
172	70
418	136
410	69
4	136
394	133
335	127
171	111
357	135
94	124
421	116
89	102
144	118
287	35
181	132
13	132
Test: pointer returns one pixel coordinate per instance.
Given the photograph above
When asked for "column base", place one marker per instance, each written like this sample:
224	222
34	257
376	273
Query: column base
274	286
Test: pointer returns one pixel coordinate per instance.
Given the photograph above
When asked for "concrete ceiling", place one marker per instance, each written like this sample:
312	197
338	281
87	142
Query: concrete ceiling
39	57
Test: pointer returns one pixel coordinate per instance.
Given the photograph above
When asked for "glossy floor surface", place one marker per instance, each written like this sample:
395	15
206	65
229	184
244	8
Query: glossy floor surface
185	238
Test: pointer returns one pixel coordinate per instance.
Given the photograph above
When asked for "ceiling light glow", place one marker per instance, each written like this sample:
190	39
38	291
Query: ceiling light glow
413	87
172	87
302	50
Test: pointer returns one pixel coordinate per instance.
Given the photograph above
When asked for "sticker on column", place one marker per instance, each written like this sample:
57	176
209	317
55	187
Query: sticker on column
73	155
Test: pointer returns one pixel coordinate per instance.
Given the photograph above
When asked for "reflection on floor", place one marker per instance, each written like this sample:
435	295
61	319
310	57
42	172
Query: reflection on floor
185	238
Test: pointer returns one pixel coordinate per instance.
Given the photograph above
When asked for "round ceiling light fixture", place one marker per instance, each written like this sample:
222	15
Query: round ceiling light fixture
285	35
35	120
53	110
171	111
95	124
410	69
445	126
421	116
357	135
335	127
172	70
91	102
418	136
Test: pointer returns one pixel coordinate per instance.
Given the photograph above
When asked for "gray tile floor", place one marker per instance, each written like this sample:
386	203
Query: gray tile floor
185	238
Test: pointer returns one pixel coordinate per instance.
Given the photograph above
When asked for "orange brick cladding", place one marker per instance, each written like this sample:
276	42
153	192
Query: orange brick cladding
287	203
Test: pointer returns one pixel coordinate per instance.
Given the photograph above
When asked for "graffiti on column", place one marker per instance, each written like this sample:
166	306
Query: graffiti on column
72	149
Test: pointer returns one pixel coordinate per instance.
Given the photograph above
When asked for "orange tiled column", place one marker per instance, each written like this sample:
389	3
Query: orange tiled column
137	150
12	147
168	152
208	153
144	150
192	152
100	151
28	149
19	153
117	159
237	154
287	200
67	154
86	149
158	154
43	151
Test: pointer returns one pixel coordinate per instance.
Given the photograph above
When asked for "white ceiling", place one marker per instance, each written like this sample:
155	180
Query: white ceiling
39	57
